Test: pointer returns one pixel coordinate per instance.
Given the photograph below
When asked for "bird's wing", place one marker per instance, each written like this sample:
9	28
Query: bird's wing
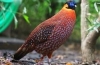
40	35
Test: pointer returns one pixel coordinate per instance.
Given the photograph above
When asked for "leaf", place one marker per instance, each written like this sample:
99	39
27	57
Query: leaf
6	0
26	18
96	8
50	10
24	10
16	21
90	28
96	29
88	20
94	22
48	4
99	13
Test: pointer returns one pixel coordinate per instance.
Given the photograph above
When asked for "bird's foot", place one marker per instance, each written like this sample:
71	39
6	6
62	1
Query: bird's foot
49	62
39	63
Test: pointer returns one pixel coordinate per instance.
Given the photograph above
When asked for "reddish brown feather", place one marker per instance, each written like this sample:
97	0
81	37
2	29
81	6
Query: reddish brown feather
49	35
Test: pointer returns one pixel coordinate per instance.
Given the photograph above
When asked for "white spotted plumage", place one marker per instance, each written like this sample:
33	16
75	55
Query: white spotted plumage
50	34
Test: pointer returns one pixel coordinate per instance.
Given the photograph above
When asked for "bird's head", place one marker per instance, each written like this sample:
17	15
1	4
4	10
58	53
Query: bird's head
70	4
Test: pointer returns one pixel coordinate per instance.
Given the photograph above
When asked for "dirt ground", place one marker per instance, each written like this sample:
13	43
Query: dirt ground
65	55
61	56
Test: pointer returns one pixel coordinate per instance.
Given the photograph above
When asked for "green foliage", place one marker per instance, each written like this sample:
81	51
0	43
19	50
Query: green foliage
3	9
35	11
15	21
40	10
26	18
91	5
93	20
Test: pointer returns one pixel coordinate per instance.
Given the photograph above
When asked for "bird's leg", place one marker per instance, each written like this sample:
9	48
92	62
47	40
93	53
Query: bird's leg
49	60
49	56
40	60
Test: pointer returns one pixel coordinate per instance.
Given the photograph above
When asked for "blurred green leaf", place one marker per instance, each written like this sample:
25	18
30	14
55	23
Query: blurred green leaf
89	21
16	21
96	8
95	25
24	10
50	10
26	18
96	29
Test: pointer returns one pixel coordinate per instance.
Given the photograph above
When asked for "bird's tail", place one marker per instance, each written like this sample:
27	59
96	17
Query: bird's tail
22	51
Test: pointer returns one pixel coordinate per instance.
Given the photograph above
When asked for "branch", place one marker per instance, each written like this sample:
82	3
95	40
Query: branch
84	11
88	45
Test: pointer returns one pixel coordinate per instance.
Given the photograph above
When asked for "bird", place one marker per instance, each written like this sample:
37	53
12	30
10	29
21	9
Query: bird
49	35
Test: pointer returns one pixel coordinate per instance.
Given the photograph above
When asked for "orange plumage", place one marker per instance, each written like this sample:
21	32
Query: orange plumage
50	34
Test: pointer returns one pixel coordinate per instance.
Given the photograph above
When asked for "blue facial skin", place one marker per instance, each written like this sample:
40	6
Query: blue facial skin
71	5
